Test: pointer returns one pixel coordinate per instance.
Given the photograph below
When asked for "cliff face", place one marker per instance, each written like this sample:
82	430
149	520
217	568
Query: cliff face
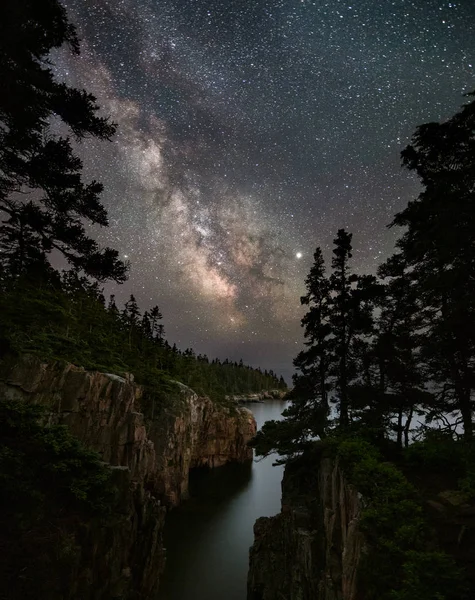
150	459
311	550
201	434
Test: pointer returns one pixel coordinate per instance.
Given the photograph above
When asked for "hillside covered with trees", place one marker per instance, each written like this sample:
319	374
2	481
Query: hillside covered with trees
66	317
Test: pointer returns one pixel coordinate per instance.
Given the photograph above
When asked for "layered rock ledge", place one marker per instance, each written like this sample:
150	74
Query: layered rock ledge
151	457
311	550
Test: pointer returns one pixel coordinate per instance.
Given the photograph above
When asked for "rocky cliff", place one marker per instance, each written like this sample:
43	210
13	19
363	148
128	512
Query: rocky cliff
150	456
311	550
200	433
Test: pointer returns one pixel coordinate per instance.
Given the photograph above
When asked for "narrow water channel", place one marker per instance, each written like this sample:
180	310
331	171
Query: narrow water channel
208	537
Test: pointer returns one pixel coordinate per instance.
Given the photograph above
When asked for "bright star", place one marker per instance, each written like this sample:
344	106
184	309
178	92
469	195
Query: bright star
298	255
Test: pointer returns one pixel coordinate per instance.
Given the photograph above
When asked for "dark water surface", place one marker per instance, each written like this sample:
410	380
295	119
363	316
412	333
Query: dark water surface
208	537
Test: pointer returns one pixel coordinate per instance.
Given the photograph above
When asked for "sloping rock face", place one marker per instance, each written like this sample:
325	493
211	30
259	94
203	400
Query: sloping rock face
150	458
312	549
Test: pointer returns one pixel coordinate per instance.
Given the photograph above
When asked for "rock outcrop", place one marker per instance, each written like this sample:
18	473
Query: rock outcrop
150	456
258	396
311	550
201	434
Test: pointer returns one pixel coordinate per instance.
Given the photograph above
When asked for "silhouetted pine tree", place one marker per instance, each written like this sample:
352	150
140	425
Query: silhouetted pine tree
311	383
42	195
157	328
438	250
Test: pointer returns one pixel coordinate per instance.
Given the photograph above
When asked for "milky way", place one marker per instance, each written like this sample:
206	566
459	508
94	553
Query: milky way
249	132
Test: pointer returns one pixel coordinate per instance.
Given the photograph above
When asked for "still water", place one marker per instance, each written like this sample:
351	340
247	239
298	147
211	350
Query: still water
208	537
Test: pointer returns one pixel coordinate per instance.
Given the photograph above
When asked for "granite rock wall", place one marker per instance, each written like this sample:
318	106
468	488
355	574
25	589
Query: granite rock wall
311	550
150	459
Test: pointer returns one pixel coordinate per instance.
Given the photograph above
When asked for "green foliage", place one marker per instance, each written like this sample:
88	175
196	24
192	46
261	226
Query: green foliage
67	320
55	466
49	484
284	438
429	575
436	452
401	562
440	453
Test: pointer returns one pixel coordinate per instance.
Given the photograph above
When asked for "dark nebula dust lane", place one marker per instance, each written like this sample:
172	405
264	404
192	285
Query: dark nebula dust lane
249	132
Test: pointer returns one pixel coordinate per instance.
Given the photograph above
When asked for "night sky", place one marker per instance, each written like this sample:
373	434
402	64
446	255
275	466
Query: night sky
249	132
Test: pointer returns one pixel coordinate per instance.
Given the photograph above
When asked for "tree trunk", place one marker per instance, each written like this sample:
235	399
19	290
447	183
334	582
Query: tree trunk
399	428
344	417
466	410
323	390
407	427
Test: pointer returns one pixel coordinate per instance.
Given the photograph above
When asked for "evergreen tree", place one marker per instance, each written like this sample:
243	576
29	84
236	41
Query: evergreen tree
130	317
156	327
398	345
390	381
340	286
112	306
42	195
338	327
311	382
145	326
347	318
438	250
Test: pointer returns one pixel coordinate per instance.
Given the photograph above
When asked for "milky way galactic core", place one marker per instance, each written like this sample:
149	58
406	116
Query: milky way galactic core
249	132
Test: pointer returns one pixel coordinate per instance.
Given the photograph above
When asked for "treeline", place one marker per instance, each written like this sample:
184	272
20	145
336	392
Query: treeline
390	356
67	317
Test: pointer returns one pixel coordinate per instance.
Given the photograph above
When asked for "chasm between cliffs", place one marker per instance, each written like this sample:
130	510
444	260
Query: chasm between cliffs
208	537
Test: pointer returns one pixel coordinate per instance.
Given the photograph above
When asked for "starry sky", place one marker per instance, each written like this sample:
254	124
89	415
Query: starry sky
249	132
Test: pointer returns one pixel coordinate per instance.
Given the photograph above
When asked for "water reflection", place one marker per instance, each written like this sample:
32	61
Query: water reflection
209	536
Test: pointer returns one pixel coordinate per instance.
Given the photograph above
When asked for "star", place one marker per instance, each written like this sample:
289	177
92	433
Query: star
249	129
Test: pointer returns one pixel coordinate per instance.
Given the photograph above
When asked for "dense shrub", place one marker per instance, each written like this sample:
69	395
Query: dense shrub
402	561
440	452
49	485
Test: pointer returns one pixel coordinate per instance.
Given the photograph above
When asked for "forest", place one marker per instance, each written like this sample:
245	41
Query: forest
66	317
61	314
